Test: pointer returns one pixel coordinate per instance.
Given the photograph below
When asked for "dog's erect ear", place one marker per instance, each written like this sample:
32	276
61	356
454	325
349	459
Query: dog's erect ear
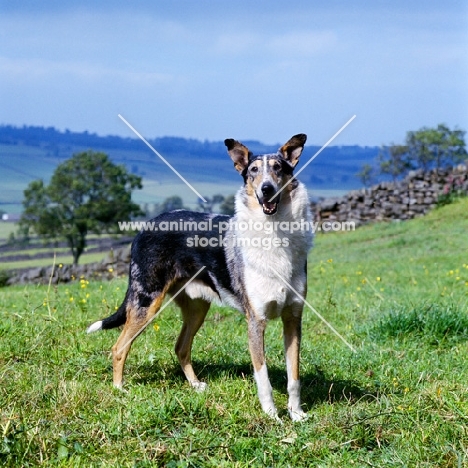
291	151
239	154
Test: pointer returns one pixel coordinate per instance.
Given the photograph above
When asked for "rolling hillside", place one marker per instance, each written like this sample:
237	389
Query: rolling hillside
397	292
30	153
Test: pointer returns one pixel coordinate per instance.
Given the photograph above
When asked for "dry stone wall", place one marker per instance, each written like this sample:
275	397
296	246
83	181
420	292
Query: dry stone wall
418	193
115	264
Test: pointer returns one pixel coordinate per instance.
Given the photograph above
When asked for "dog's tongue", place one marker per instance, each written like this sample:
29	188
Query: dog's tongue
269	206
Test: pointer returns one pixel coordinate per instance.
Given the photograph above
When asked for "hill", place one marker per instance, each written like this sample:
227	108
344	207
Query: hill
397	292
28	153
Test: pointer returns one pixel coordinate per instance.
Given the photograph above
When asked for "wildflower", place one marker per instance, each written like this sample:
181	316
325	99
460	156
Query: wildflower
110	270
330	260
60	265
358	288
71	299
378	278
156	327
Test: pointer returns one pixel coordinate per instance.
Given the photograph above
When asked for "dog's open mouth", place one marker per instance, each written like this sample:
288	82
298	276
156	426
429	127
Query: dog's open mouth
269	208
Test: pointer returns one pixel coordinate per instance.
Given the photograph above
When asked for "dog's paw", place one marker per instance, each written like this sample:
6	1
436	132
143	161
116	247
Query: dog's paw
199	386
276	418
273	414
298	415
120	387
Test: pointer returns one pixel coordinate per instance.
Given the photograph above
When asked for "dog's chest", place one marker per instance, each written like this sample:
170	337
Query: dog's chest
273	279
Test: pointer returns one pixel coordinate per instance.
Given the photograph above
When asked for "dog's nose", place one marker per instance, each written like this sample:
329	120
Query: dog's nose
268	190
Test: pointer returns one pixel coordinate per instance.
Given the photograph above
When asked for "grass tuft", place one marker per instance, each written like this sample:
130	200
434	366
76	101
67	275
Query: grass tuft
437	324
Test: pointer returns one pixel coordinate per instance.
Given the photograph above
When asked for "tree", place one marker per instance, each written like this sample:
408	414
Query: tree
86	194
172	203
439	147
228	206
367	175
208	206
394	161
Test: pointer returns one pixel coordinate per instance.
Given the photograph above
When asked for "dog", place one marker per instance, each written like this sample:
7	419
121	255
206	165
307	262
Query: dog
248	261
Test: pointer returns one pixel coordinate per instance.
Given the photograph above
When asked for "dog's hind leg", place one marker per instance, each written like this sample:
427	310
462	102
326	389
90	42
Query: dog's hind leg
291	317
193	315
137	320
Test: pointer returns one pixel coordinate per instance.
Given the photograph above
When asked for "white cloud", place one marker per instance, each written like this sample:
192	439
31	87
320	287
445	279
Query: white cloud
304	43
294	44
32	70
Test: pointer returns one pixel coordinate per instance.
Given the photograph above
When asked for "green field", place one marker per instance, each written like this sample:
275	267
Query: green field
46	262
5	230
398	292
63	254
209	173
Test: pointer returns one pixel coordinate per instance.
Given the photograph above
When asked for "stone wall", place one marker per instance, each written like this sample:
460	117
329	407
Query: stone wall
414	196
115	264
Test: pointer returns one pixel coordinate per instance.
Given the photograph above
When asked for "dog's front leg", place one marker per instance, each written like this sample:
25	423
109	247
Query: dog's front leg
257	352
292	343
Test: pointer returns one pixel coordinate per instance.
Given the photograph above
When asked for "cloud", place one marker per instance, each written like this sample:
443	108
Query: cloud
294	44
32	70
306	43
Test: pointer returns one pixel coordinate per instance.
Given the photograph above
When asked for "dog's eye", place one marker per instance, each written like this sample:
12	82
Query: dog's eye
254	169
276	167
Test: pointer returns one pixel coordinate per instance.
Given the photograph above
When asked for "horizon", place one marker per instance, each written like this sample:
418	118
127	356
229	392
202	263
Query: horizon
135	138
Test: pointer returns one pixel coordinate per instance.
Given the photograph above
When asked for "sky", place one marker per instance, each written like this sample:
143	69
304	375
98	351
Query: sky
250	70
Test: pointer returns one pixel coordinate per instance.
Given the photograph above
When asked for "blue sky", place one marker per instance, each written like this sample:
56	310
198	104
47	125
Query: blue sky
218	69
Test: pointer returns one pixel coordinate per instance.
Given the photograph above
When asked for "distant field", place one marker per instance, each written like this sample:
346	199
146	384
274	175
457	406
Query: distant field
6	229
44	262
206	166
63	253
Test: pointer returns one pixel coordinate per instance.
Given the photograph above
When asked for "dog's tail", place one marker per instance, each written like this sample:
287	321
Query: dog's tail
115	320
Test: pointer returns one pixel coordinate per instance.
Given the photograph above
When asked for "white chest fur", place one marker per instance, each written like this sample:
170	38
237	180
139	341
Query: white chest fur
274	258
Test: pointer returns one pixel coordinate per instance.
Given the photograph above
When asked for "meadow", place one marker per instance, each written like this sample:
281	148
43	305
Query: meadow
397	292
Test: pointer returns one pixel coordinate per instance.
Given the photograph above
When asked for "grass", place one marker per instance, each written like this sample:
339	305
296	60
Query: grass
6	228
398	293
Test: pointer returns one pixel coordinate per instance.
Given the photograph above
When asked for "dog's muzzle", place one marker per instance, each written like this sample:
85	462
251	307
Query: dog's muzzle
268	193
